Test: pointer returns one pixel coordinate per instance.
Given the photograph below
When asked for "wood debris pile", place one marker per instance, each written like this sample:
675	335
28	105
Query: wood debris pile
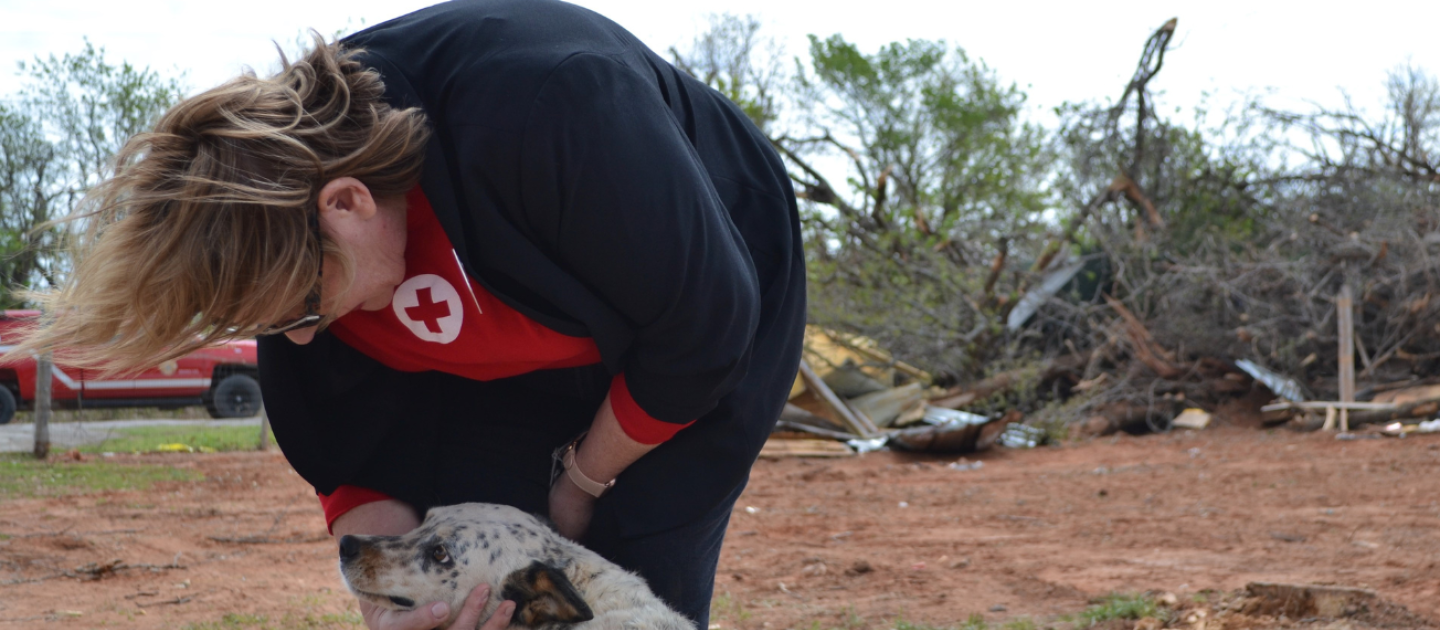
1286	259
851	394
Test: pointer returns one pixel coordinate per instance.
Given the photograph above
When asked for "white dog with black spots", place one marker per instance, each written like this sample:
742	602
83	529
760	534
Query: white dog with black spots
555	583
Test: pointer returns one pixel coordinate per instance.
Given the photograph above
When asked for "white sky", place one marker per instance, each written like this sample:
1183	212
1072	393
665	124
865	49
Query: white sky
1056	51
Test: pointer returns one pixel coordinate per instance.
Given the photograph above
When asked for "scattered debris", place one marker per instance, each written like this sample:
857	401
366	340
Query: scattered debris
955	432
957	397
795	415
840	394
168	602
937	416
1282	536
1282	386
885	406
1192	418
1396	429
805	448
1287	606
93	571
1299	601
1055	279
853	421
1152	354
1022	436
868	446
1406	395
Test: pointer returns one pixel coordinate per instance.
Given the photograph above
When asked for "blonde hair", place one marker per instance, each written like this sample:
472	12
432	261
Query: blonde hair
202	234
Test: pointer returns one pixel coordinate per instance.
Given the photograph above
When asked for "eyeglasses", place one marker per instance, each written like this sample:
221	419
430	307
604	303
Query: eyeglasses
311	316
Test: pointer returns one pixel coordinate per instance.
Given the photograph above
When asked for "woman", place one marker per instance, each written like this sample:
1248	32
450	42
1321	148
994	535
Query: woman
466	237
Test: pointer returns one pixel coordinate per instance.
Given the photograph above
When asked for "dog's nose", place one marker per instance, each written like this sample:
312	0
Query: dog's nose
349	548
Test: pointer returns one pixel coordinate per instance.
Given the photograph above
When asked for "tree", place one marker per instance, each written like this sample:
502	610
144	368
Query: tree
945	183
29	185
58	137
732	57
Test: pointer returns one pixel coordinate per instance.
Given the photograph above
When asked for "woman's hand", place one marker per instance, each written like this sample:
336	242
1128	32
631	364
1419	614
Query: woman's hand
570	508
429	616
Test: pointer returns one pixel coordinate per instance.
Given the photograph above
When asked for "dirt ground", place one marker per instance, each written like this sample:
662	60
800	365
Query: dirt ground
863	542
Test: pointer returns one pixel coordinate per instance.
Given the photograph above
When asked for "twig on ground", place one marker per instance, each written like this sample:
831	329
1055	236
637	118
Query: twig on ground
168	602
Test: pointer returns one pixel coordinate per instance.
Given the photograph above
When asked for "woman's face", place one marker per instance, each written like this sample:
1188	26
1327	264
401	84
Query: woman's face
373	232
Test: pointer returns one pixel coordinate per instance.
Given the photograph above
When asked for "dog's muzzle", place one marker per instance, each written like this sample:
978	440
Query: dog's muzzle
349	548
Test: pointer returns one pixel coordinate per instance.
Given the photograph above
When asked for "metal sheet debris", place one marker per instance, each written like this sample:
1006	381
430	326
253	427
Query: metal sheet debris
1022	436
939	415
868	446
1283	387
1031	302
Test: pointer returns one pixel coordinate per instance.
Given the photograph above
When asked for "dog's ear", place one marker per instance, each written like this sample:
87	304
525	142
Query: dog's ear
542	594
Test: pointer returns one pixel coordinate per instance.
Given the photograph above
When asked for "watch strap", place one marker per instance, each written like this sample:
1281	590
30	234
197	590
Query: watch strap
590	486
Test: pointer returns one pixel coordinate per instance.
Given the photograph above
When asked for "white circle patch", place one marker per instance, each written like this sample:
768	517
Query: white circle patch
430	307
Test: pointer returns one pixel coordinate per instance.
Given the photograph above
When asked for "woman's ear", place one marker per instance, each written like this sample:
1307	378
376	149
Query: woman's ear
347	196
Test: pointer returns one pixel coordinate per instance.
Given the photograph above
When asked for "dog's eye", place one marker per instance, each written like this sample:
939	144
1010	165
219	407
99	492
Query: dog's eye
439	554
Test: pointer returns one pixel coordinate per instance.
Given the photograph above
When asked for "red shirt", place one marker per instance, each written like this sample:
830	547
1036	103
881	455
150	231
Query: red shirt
440	319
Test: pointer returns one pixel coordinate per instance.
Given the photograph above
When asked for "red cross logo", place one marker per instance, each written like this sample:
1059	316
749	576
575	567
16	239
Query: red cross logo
430	307
428	310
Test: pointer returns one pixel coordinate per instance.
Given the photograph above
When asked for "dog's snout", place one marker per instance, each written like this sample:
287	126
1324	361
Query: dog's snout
349	548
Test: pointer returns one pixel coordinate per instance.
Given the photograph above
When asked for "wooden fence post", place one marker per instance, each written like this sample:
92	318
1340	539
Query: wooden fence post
42	405
1345	307
264	429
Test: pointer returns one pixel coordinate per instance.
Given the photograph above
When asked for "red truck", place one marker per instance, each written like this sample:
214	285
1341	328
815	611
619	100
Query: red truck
223	378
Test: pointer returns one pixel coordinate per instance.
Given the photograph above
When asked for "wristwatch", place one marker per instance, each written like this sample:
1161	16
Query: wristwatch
590	486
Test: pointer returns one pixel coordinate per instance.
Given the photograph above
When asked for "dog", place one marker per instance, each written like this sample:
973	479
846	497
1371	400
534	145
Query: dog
554	582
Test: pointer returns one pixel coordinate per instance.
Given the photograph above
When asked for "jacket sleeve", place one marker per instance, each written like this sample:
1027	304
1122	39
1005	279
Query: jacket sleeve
618	196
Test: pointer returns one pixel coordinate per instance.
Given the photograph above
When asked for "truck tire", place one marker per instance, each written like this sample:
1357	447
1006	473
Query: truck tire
7	405
235	396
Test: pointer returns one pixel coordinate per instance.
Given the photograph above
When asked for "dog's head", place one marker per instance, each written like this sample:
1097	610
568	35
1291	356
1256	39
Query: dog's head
459	547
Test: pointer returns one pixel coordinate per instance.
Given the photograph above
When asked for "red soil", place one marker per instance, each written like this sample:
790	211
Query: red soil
845	543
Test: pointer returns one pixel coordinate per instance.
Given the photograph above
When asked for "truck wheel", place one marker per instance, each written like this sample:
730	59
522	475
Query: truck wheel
7	405
235	396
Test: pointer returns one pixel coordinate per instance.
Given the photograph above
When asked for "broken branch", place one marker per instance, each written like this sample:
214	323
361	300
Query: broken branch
1149	353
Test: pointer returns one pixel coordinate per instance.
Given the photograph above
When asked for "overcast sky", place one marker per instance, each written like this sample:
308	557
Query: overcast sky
1056	51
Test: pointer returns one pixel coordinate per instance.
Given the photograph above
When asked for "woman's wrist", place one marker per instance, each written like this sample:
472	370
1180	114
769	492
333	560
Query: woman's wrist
607	450
573	472
571	490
